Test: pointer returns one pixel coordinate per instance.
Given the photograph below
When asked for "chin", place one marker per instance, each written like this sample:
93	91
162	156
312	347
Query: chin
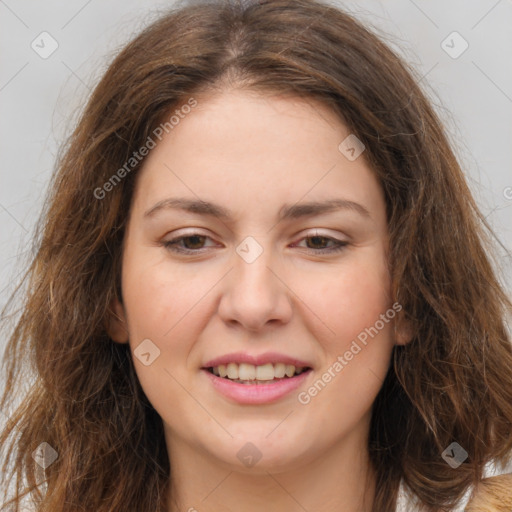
260	454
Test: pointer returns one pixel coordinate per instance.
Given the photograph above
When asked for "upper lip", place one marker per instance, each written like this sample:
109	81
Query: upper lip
256	360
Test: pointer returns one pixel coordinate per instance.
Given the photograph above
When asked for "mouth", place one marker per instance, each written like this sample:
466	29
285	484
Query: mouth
249	374
251	384
260	379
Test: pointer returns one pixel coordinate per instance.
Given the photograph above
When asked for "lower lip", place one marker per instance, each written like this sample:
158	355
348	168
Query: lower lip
256	393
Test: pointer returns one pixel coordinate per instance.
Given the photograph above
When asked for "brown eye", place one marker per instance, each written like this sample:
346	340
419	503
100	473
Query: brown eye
318	240
319	243
186	244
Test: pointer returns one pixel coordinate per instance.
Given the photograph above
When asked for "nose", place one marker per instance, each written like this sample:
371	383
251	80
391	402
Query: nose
255	293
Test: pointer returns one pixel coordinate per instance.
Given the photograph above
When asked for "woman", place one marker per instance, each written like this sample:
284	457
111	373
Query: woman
262	282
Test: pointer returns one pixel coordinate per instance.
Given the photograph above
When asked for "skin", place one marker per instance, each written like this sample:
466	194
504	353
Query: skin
254	153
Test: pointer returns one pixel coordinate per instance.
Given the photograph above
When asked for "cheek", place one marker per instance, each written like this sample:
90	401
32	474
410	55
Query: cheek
356	357
157	295
167	307
355	309
348	300
361	314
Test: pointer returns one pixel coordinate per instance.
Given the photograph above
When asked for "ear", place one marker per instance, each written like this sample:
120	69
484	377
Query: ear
116	324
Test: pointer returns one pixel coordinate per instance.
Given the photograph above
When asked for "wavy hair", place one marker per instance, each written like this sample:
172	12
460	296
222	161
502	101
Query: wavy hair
451	383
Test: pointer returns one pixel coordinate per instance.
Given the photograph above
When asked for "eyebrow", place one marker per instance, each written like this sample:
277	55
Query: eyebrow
287	212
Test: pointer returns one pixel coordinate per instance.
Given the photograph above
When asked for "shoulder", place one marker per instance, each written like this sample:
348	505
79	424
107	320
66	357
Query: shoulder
493	494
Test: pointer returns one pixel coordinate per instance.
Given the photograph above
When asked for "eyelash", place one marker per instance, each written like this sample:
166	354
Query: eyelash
172	245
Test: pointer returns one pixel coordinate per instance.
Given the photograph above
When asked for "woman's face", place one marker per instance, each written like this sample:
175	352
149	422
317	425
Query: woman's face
258	270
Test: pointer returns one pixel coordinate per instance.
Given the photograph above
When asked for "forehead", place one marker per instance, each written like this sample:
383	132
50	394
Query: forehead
254	149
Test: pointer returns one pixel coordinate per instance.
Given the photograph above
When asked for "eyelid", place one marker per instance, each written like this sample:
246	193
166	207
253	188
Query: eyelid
177	237
320	232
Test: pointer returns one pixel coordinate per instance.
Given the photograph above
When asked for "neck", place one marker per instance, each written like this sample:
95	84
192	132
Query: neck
341	478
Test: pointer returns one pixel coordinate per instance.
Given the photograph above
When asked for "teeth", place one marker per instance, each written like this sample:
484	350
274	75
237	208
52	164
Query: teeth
279	370
246	372
265	372
232	371
250	372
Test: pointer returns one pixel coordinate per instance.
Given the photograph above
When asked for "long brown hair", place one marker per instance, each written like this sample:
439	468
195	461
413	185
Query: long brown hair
451	383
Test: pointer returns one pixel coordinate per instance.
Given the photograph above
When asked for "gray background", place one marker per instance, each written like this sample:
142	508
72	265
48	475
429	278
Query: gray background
41	97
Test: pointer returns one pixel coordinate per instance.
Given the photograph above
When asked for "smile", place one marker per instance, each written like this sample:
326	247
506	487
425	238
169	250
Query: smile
245	373
254	391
